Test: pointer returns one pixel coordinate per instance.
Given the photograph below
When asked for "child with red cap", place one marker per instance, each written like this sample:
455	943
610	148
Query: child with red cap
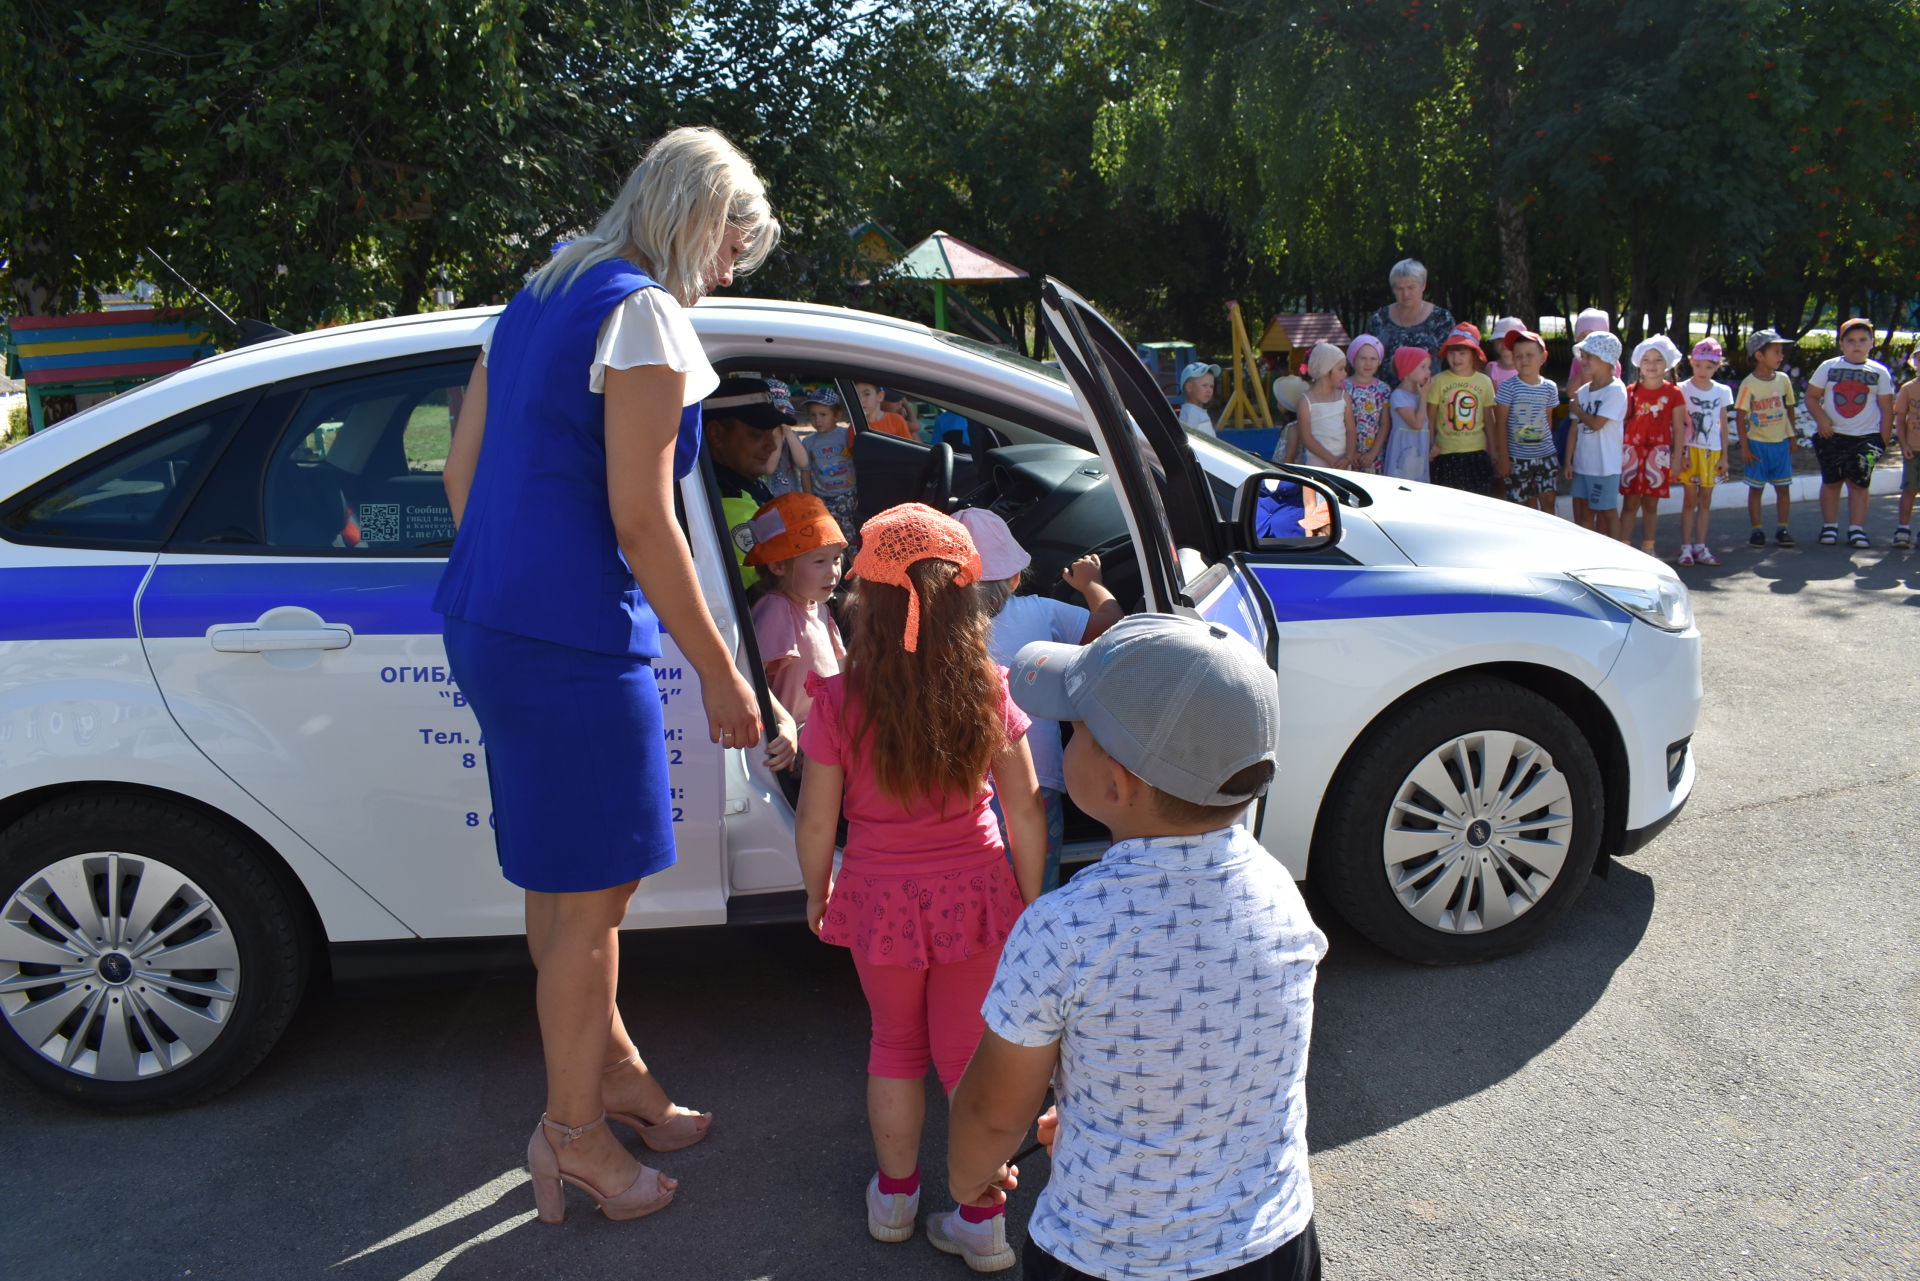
1408	442
905	740
1465	455
1523	418
799	544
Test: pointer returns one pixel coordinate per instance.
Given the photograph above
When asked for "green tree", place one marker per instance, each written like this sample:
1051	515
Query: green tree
310	162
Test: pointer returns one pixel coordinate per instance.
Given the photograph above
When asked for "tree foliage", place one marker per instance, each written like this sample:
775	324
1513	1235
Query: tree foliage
328	159
1635	150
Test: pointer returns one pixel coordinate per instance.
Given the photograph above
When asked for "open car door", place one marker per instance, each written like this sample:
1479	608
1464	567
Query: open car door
1164	493
1192	561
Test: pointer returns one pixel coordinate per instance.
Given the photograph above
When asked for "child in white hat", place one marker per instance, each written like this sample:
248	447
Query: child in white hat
1017	620
1198	382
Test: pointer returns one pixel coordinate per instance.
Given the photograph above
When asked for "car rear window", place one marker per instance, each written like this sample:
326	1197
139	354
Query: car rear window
128	498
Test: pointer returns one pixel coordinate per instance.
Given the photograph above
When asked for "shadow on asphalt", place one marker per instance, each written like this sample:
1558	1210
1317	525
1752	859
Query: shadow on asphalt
1393	1041
1789	570
383	1138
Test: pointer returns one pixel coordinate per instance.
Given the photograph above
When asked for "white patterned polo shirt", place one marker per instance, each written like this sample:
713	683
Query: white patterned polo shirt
1177	976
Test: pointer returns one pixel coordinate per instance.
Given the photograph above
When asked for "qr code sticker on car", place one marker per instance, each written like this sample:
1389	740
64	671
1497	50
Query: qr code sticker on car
379	522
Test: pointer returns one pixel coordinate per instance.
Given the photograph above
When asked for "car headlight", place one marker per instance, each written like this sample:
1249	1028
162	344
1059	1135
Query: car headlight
1653	598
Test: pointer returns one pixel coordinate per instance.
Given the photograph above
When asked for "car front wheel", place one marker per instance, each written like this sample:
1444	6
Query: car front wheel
148	958
1462	825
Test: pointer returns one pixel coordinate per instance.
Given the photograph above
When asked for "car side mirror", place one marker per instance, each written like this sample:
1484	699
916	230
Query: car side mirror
1285	511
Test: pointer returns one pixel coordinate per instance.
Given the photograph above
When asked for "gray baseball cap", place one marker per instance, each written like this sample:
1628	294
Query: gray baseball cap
1184	704
1762	338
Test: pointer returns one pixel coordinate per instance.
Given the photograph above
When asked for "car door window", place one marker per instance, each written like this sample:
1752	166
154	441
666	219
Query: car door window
131	498
358	467
348	467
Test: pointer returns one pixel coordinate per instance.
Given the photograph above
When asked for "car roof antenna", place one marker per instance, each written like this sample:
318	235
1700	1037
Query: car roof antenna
251	331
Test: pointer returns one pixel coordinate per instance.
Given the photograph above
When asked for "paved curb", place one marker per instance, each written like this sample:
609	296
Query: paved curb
1805	488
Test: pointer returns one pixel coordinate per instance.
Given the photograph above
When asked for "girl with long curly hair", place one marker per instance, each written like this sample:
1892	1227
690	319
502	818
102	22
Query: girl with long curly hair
906	739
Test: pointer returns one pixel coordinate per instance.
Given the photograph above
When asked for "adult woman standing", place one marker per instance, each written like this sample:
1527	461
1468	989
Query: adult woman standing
567	564
1409	320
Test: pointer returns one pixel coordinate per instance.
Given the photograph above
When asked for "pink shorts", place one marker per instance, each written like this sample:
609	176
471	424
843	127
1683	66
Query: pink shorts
930	1015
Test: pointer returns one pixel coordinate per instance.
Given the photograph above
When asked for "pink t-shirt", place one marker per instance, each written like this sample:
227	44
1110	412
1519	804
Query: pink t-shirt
921	883
1500	373
796	641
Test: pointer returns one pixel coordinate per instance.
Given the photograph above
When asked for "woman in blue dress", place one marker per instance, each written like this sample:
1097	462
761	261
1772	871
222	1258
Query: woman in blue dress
580	415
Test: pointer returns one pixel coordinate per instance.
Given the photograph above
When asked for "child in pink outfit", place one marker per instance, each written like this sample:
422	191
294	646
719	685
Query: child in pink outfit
924	897
799	544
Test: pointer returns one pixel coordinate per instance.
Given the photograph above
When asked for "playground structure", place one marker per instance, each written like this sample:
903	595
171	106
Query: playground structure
1165	360
1244	408
1292	334
944	260
103	352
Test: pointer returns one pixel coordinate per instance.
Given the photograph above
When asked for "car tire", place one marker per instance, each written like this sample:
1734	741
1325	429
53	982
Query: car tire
174	956
1461	825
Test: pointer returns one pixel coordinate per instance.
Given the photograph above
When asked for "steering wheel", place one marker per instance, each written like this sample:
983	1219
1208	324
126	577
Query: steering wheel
935	482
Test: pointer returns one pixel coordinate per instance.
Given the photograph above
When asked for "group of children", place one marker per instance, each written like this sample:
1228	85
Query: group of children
1488	426
816	455
951	840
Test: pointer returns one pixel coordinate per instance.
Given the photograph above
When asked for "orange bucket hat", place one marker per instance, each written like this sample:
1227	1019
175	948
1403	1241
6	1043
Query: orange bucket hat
900	536
791	525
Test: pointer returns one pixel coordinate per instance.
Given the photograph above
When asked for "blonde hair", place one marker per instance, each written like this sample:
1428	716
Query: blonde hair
672	215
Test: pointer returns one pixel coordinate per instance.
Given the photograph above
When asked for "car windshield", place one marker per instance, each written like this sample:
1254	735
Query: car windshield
1005	355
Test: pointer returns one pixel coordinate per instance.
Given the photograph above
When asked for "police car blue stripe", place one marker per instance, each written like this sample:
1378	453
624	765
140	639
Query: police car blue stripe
68	602
1303	594
374	597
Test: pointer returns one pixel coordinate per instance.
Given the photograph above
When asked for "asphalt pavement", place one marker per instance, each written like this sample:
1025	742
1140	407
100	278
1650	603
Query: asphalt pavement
1709	1072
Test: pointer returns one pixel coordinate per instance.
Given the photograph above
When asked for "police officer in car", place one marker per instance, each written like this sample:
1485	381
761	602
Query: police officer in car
742	428
743	424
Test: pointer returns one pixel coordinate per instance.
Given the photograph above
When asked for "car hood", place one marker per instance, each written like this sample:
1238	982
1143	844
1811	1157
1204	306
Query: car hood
1441	527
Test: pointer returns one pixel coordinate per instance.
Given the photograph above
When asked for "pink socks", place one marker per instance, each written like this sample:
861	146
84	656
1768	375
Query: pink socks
899	1187
911	1184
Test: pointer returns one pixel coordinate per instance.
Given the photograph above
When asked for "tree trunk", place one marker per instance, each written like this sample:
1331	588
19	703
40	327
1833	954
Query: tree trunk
1516	261
413	277
1609	288
1681	329
1790	311
1639	290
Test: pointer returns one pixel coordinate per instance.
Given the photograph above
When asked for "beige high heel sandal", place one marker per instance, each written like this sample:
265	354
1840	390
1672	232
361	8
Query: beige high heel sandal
676	1132
643	1197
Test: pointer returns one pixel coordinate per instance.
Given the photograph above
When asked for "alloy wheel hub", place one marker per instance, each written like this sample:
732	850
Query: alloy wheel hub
1478	832
116	966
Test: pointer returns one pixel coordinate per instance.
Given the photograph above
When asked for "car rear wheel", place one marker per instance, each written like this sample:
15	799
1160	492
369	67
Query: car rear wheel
148	958
1462	825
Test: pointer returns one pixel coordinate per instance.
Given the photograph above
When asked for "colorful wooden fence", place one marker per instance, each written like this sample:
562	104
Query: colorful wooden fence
106	351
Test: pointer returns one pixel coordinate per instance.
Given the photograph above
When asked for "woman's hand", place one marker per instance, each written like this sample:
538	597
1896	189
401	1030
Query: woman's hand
1047	1128
733	717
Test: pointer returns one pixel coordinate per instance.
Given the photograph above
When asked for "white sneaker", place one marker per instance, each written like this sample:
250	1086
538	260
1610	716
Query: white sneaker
983	1245
890	1215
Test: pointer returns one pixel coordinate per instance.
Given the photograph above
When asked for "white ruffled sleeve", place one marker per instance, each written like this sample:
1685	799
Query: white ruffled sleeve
650	327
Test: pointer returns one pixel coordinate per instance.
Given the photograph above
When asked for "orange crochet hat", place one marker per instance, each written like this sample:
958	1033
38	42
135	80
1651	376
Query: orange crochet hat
900	536
790	525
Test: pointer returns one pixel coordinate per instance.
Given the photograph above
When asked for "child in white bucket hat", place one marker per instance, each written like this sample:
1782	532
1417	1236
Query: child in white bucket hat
1019	620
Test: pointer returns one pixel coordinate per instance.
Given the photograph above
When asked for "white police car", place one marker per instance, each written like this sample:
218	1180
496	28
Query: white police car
232	760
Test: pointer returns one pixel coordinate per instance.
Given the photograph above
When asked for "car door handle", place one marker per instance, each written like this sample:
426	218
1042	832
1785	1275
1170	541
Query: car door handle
260	640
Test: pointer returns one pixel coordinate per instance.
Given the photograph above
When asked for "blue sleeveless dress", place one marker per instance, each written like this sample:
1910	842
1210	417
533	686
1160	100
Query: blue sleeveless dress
546	632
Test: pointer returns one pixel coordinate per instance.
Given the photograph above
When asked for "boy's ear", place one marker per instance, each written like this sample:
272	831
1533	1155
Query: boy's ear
1124	787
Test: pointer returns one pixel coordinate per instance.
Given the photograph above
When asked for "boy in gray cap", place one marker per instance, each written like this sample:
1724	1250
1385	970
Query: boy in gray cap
1166	991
